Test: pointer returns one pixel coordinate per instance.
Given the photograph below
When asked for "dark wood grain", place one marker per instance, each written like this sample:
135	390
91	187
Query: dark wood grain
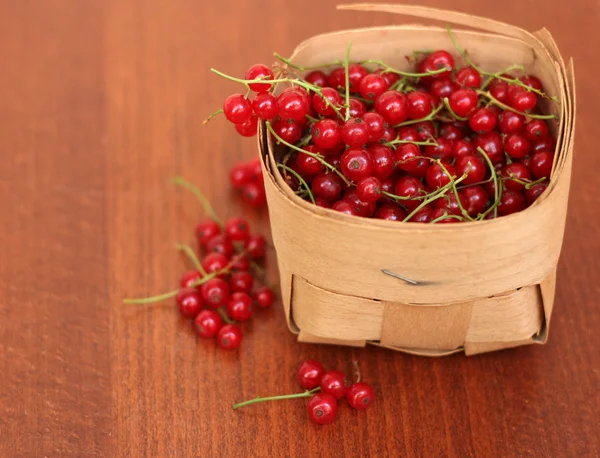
102	102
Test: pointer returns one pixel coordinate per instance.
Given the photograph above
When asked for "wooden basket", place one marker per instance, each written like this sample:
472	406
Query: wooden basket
483	285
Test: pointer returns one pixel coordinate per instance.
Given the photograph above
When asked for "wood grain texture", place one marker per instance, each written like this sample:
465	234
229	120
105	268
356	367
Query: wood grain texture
100	103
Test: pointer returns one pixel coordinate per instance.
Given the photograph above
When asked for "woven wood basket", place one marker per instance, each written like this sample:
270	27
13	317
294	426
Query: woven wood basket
482	286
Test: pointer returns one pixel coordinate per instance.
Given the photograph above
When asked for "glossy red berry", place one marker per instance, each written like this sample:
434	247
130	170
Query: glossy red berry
389	77
206	230
248	128
372	86
543	144
360	395
517	146
469	77
355	133
220	244
443	149
390	212
327	186
408	186
511	202
451	132
425	215
375	126
255	246
356	164
215	293
322	408
369	189
288	130
473	166
189	302
264	105
475	200
541	164
437	60
337	78
241	282
463	148
366	209
310	374
334	383
483	120
393	106
263	297
499	90
523	101
239	175
237	109
408	133
320	101
307	165
346	207
463	102
383	160
254	194
207	324
419	104
511	122
292	105
240	262
326	134
533	193
516	171
229	337
443	87
536	129
491	143
532	82
317	77
239	306
236	229
190	278
357	108
437	177
214	262
259	72
425	130
356	73
410	159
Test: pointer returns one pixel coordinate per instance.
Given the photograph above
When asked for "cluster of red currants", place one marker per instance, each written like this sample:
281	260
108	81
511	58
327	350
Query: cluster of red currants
325	389
438	146
247	179
220	291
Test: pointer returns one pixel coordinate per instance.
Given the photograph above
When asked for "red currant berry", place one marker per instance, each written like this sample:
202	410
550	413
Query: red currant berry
390	212
393	106
517	146
320	101
369	189
337	78
437	177
511	202
264	297
344	206
317	78
326	134
254	194
389	134
463	102
473	166
523	101
288	130
237	229
408	186
206	230
208	323
248	128
308	165
220	244
190	278
255	246
239	175
214	262
239	306
442	151
372	86
390	77
437	60
327	186
425	130
375	126
419	105
463	148
536	129
259	72
543	144
189	302
475	200
292	105
410	159
359	395
451	132
443	87
356	73
240	262
533	193
515	171
511	122
215	293
449	203
357	108
442	216
310	374
483	120
491	143
532	82
408	133
541	164
366	209
356	164
334	383
229	337
425	215
355	132
383	161
241	282
322	408
499	90
264	105
237	109
469	77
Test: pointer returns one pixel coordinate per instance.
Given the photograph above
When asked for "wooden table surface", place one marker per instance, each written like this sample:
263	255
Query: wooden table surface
101	102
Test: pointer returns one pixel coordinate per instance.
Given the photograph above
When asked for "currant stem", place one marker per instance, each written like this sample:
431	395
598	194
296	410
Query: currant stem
451	111
388	69
152	299
302	69
201	197
495	179
434	196
224	316
304	394
212	115
347	79
300	179
446	216
189	252
454	190
429	117
398	141
507	107
318	157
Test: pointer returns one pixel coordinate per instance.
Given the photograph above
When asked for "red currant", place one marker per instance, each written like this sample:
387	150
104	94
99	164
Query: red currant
473	166
463	148
239	306
317	78
533	193
359	395
390	212
259	72
491	143
248	128
475	200
241	282
344	206
372	86
220	244
483	120
288	130
437	177
369	189
310	374
355	132
229	337
190	278
383	161
327	186
541	164
517	146
322	408
265	105
356	164
334	383
469	77
215	293
393	106
254	194
511	202
264	297
189	302
536	129
255	246
443	149
214	262
517	171
463	102
237	109
419	105
292	105
326	134
208	323
511	122
410	159
375	126
357	108
206	230
237	229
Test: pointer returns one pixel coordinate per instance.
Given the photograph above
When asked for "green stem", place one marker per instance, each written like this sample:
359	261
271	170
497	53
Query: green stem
454	190
388	69
434	196
446	216
507	107
311	118
347	79
304	394
189	252
212	115
302	69
398	141
318	157
451	111
224	316
151	299
201	197
429	117
300	179
495	180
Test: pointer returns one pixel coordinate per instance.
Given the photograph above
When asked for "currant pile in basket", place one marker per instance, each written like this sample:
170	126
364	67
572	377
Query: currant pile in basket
222	289
325	389
437	145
